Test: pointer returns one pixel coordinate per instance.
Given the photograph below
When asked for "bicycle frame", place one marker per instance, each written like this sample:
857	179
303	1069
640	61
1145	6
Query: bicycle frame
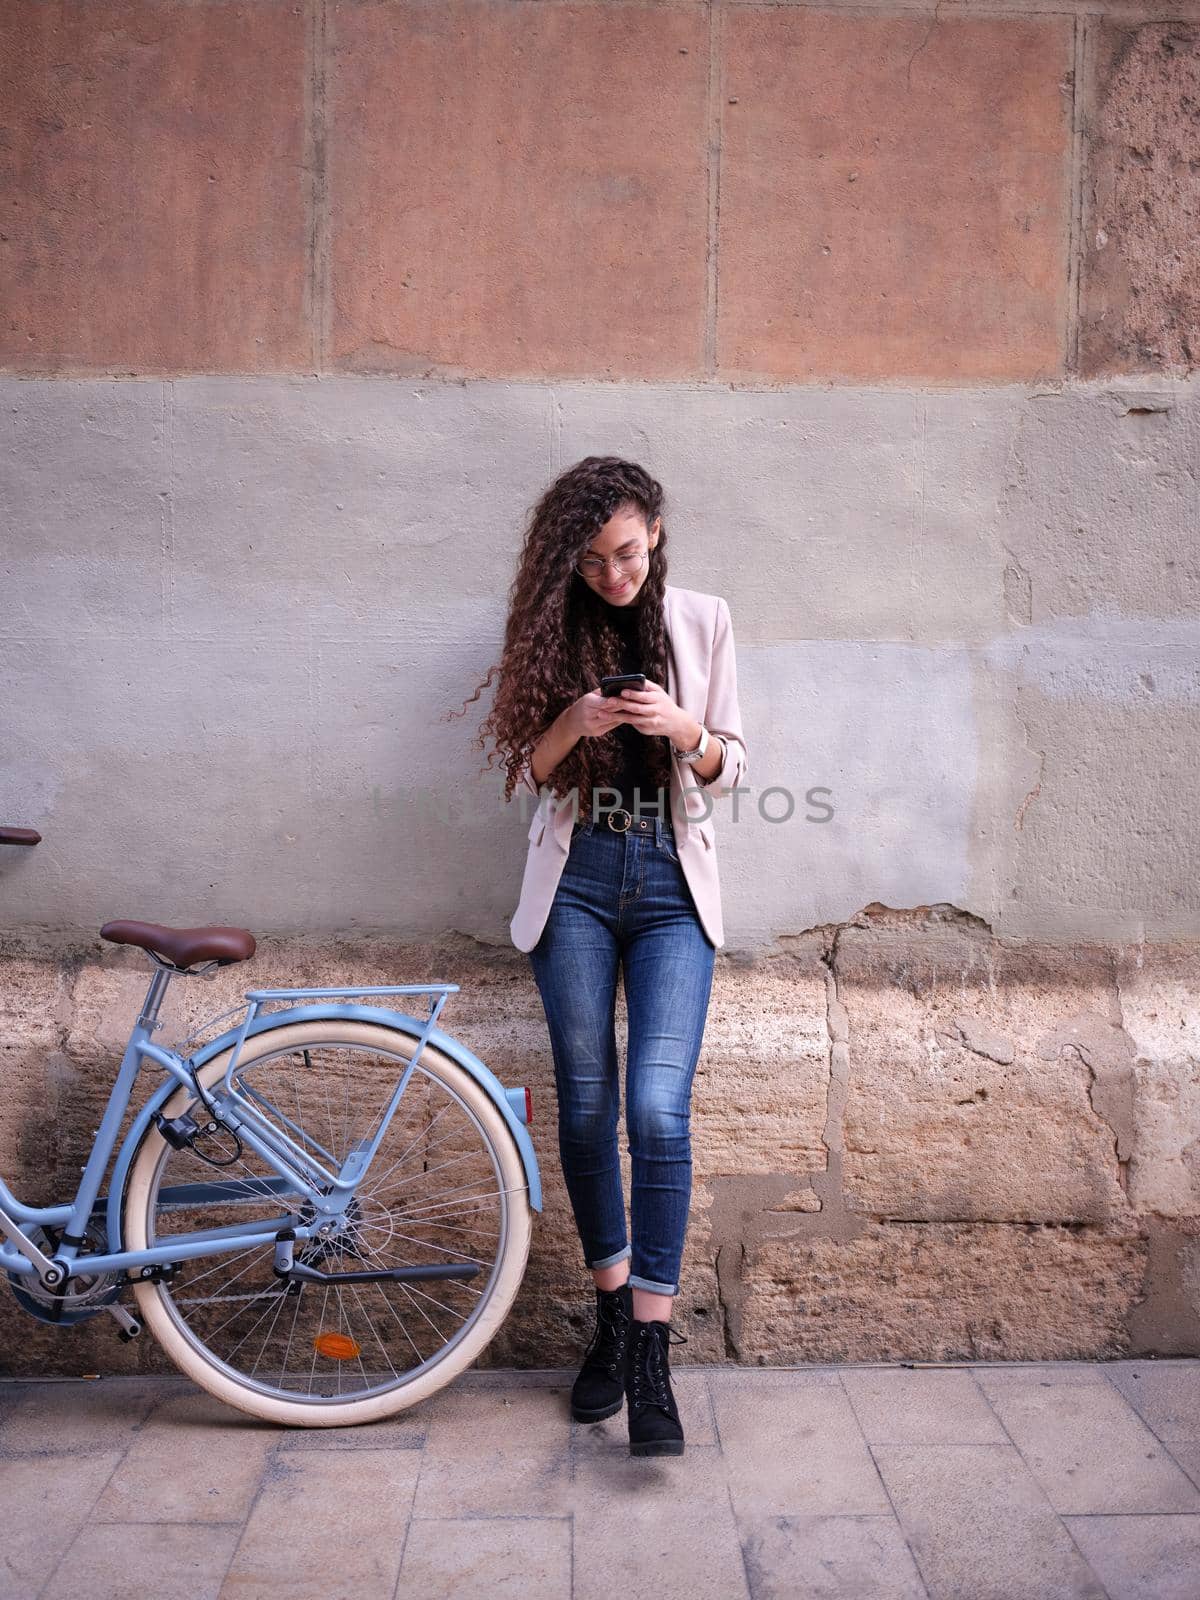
300	1172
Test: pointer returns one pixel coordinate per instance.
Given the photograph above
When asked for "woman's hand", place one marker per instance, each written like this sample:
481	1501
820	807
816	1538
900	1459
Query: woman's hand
594	715
651	711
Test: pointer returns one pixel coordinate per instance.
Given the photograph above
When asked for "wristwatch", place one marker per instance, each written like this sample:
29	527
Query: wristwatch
692	756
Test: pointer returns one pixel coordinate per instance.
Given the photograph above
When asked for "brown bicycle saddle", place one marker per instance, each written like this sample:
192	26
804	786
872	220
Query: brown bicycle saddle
183	946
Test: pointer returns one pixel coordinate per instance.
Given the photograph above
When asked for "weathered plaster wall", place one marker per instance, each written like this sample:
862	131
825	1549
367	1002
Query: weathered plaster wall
239	612
304	303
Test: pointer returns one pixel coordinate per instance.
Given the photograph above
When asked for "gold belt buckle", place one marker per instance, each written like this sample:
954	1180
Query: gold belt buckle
620	827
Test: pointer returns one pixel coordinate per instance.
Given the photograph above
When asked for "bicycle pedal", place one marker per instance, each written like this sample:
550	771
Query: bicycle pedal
128	1327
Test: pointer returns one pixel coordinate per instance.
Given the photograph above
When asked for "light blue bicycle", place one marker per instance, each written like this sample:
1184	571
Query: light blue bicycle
323	1214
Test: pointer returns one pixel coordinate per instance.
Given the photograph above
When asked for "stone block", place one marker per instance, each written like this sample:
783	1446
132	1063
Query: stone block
1139	275
969	1097
941	1292
523	205
761	1087
1158	988
156	174
34	1012
895	199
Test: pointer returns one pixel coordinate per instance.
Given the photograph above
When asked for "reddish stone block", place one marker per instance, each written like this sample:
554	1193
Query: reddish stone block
895	196
1140	266
152	171
518	189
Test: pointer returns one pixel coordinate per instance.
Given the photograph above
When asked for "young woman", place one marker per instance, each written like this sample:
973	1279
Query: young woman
620	877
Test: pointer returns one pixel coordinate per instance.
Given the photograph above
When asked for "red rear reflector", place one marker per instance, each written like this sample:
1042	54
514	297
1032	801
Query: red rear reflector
528	1105
337	1346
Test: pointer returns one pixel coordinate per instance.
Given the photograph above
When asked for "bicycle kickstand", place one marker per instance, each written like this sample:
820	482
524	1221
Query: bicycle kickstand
129	1326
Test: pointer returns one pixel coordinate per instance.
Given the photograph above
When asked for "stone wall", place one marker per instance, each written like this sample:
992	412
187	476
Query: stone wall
912	1140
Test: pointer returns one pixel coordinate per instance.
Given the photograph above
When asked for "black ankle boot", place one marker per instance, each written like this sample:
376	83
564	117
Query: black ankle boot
599	1390
654	1425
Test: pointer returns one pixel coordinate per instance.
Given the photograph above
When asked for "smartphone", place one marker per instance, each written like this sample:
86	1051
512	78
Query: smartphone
621	680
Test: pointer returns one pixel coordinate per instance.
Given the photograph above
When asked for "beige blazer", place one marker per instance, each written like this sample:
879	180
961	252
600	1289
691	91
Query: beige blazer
702	679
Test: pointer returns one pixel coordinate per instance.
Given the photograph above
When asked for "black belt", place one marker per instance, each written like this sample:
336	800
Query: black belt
622	821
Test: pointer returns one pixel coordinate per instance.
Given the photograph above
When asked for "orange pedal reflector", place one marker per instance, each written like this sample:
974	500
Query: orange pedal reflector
337	1346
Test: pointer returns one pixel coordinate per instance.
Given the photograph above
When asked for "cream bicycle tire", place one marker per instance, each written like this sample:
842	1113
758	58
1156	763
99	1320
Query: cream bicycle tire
153	1299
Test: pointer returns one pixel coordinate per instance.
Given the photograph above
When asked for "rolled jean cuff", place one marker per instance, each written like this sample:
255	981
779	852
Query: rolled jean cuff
652	1288
611	1261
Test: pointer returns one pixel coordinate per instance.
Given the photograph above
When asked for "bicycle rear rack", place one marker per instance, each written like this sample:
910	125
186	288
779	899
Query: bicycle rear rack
260	997
265	1130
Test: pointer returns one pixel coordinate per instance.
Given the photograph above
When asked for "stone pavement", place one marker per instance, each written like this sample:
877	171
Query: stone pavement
857	1482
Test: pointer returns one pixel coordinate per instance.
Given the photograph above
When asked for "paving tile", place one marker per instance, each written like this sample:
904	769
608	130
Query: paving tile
493	1453
1089	1450
405	1431
735	1377
1188	1457
979	1525
193	1460
1043	1372
795	1448
362	1436
351	1507
62	1417
169	1562
1142	1558
507	1378
1165	1394
897	1406
496	1483
465	1422
44	1501
835	1558
695	1412
657	1525
151	1476
521	1558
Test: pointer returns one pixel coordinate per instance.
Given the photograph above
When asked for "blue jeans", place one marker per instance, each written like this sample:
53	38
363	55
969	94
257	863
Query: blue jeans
623	900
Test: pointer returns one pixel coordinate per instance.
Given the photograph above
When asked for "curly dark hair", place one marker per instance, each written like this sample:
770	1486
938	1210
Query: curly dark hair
559	641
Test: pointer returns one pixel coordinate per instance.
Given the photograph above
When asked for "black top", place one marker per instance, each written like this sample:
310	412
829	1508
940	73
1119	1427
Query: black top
633	779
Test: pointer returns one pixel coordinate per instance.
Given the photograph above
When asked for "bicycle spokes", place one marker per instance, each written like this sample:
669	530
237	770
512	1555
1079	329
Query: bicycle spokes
389	1284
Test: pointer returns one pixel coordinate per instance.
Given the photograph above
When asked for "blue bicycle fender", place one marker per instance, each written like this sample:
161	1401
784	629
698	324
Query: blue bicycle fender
448	1045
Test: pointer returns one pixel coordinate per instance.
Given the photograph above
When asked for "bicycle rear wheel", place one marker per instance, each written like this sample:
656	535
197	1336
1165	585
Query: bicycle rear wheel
446	1187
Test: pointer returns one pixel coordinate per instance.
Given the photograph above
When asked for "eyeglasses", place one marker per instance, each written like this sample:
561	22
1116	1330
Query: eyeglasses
593	566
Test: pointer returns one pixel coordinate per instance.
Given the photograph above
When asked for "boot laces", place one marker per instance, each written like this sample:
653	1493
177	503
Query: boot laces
651	1383
610	1337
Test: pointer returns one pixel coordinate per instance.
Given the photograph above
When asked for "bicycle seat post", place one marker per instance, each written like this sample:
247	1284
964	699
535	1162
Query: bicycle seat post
148	1017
